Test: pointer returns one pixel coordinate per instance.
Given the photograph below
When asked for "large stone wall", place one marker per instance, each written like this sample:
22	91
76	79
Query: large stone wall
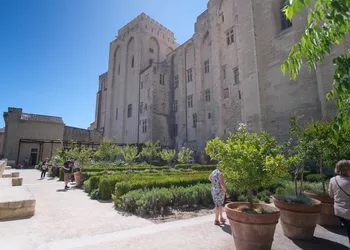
81	135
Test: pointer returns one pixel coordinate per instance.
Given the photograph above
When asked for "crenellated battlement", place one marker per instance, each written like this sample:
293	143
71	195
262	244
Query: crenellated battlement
145	22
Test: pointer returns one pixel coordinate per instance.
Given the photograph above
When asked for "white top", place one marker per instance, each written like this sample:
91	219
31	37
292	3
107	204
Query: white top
341	199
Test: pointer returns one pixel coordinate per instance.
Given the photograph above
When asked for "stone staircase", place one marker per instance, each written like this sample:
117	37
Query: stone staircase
16	201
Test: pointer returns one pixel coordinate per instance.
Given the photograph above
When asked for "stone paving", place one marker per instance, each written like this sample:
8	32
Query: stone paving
70	220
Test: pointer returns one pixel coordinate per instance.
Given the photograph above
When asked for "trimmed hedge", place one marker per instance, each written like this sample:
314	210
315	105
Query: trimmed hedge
196	167
315	177
158	200
112	168
171	181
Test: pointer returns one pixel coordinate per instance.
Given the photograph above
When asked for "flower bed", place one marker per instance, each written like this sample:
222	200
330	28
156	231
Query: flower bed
158	200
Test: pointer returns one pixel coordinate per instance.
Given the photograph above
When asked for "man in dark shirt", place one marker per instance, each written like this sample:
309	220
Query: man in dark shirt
67	169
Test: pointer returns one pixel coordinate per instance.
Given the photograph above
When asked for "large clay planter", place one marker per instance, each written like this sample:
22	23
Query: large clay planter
78	177
327	217
252	231
298	220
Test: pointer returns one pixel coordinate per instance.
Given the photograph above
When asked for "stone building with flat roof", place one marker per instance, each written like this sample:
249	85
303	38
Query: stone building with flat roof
37	137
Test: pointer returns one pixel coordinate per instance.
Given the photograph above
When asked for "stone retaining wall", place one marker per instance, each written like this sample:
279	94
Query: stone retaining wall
3	164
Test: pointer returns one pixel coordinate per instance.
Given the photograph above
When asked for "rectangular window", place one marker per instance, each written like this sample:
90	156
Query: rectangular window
209	115
176	81
129	110
141	107
116	113
207	95
151	50
161	79
144	126
206	66
189	75
224	72
175	129
146	107
236	75
141	85
190	101
239	95
175	106
194	116
226	93
119	69
229	36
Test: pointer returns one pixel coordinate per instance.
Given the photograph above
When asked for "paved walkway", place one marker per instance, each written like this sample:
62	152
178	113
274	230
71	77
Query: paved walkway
70	220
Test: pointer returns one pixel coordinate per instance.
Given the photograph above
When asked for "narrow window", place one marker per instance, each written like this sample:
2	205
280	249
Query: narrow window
132	62
190	101
176	81
189	75
206	66
194	116
175	106
239	95
141	85
224	72
116	114
285	22
230	36
161	79
141	107
119	69
209	116
151	50
207	95
144	126
129	110
236	75
226	93
146	107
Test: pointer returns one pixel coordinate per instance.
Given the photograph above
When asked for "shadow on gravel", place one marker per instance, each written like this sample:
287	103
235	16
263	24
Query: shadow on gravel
319	244
226	228
61	190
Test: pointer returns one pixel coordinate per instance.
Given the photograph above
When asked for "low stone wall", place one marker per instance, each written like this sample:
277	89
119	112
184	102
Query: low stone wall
3	164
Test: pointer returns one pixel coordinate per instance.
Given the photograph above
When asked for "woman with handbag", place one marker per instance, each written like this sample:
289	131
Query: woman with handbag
339	189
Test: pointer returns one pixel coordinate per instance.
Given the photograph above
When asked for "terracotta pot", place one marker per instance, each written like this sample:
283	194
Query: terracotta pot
252	231
78	177
327	217
298	220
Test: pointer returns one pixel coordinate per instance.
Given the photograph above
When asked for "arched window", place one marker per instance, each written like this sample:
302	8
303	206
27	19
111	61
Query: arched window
285	22
132	62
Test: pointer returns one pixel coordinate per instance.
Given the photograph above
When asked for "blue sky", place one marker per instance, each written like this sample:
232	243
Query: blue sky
52	51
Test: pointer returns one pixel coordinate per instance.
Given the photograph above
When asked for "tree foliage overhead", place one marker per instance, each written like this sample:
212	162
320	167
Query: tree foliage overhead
328	23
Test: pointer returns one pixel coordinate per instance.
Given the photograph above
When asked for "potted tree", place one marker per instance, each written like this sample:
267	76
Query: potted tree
83	156
168	155
130	154
319	145
299	213
249	161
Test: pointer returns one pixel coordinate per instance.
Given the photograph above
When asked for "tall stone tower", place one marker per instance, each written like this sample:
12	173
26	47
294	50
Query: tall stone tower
133	71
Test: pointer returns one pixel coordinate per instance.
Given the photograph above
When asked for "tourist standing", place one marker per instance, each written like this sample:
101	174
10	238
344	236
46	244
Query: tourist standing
54	167
44	168
218	192
339	189
67	169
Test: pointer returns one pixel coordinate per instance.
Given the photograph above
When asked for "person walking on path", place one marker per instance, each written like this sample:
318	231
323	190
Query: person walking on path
44	168
218	192
339	189
67	169
54	167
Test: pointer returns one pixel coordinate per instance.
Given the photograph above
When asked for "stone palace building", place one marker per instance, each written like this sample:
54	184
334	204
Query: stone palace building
228	72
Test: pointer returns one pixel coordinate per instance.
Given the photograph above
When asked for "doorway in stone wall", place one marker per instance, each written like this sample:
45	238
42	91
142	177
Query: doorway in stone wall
33	156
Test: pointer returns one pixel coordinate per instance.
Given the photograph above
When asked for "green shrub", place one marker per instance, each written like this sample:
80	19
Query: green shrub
124	168
315	177
177	181
94	182
183	166
86	186
314	187
106	187
158	200
292	198
95	194
204	167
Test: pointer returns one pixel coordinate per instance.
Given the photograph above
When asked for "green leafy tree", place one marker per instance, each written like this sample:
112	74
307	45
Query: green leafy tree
328	23
248	160
130	154
107	150
150	150
184	155
168	155
84	155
